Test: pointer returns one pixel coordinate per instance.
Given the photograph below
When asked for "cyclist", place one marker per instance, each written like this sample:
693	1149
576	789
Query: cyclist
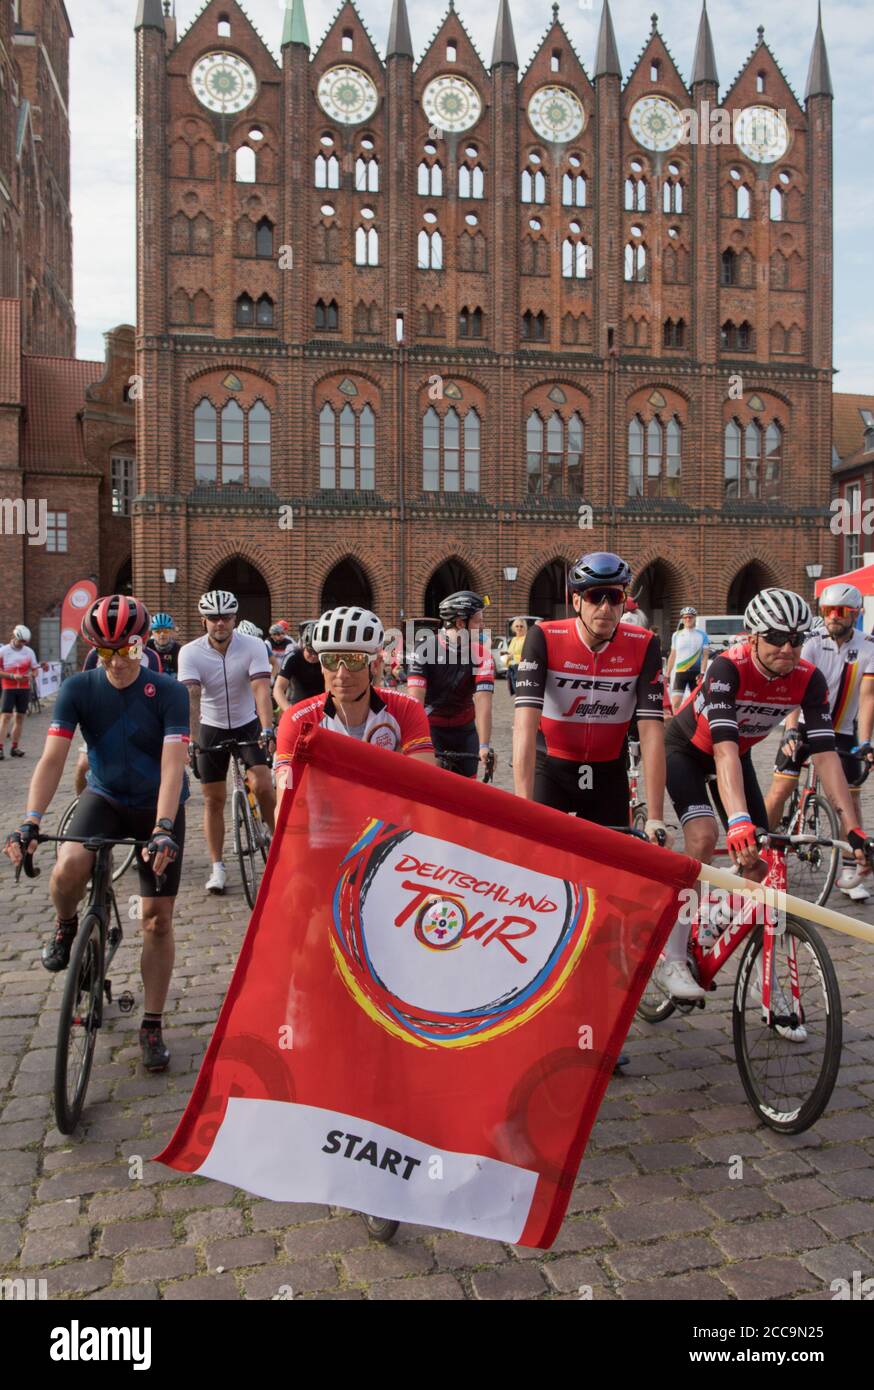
301	675
150	661
688	659
514	651
228	680
845	656
135	725
281	644
17	661
745	693
348	641
457	686
164	644
250	630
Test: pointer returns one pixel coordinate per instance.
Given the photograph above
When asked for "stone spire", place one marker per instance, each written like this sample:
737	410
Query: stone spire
607	56
400	44
150	15
819	78
504	50
294	26
704	66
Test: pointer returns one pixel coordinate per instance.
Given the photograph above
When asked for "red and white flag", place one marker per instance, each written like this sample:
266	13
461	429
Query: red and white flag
431	996
76	601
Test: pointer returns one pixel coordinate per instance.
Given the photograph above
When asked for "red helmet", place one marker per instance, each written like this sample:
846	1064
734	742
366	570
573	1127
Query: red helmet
115	621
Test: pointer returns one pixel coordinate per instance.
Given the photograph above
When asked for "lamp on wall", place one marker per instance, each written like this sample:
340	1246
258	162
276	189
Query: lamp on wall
511	573
170	576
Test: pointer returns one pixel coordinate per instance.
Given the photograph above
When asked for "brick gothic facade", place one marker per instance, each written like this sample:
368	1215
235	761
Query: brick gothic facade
427	400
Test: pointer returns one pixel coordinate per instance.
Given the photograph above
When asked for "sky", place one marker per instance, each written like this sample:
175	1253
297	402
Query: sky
102	121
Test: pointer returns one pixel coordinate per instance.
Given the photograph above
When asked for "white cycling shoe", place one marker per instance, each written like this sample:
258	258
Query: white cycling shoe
852	883
674	978
217	879
780	1004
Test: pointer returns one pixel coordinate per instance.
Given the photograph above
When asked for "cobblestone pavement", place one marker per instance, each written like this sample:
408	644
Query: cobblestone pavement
654	1215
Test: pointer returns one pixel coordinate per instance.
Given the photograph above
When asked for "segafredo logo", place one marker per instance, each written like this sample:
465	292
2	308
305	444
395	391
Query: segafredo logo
444	946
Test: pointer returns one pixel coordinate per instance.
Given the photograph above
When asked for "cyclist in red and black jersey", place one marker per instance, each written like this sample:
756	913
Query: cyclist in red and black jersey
745	693
456	683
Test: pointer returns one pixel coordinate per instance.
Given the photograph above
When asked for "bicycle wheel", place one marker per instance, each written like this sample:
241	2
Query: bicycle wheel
639	818
124	864
78	1024
64	822
244	844
788	1083
811	869
380	1230
655	1006
64	826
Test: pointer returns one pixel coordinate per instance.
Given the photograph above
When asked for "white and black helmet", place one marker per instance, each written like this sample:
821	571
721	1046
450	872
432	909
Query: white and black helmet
689	612
218	603
348	630
21	633
777	610
249	629
840	595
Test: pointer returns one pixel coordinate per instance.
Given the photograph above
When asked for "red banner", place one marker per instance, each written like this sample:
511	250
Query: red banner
76	601
430	999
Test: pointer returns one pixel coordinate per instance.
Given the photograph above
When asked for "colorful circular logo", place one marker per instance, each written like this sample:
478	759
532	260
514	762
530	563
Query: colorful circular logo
440	923
383	736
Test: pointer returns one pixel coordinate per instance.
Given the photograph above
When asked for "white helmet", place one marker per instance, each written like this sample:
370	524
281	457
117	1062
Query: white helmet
348	630
779	610
249	629
218	603
841	596
689	611
21	632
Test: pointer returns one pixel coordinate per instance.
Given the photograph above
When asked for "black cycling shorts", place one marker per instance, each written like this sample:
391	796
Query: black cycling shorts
691	783
593	791
457	738
684	680
854	768
15	702
94	815
213	767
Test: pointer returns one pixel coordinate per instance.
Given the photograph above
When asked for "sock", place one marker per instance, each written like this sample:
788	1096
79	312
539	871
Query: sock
152	1020
677	942
69	921
218	864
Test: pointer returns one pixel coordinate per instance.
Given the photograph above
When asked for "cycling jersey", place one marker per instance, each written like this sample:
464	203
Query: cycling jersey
588	699
736	703
168	655
688	647
304	677
845	668
461	671
393	721
124	730
225	677
149	660
16	664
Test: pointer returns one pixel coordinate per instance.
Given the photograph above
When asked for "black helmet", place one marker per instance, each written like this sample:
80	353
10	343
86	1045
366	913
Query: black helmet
461	605
306	632
600	567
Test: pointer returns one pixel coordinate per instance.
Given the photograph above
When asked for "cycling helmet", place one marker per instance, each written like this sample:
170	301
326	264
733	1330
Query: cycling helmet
464	604
306	633
779	610
249	629
601	567
841	595
21	632
279	629
115	621
217	603
162	620
689	611
348	630
818	625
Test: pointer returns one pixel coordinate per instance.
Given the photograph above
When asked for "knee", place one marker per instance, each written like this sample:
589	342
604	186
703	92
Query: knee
701	841
158	923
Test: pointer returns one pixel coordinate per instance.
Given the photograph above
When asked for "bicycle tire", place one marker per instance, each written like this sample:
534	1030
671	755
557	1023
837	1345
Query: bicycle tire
84	978
817	809
63	827
654	1006
380	1229
244	844
747	1027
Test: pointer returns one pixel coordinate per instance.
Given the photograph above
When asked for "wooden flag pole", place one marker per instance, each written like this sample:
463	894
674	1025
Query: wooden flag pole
785	902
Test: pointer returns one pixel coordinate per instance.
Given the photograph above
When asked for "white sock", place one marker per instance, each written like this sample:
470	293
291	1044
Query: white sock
218	864
677	943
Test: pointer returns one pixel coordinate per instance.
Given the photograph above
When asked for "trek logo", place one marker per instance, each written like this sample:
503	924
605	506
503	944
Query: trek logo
75	1343
369	1153
777	711
587	683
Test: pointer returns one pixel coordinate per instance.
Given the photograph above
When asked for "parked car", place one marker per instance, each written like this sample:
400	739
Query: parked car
724	629
500	652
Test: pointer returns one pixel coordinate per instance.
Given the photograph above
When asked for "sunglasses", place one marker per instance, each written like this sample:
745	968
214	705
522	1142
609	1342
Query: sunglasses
353	661
596	597
839	611
107	653
779	639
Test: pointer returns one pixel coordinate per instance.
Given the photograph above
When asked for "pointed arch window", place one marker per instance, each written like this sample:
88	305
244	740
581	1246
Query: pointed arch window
533	186
430	179
574	259
347	448
534	326
660	445
451	450
777	206
327	171
264	312
635	195
471	181
470	323
264	238
232	443
672	197
557	468
430	251
205	442
327	316
743	203
246	441
729	267
245	315
573	190
635	261
366	174
366	246
259	445
245	165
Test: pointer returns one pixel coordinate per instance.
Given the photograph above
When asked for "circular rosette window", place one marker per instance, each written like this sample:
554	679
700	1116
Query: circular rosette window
444	946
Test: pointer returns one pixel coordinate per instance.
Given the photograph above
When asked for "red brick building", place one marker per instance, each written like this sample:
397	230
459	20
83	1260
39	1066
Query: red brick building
404	326
853	465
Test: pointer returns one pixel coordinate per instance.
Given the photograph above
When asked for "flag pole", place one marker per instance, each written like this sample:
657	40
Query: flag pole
785	902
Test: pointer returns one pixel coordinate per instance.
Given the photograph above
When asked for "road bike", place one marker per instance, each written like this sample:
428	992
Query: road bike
809	814
251	836
86	984
786	1004
636	804
452	761
120	863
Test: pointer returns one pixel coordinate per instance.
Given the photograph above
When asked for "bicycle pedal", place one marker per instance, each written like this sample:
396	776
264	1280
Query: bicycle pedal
126	1001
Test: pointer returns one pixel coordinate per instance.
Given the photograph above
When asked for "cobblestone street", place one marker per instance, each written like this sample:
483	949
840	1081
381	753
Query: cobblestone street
655	1214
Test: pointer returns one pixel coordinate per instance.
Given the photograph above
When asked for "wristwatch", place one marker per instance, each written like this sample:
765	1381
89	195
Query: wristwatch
164	824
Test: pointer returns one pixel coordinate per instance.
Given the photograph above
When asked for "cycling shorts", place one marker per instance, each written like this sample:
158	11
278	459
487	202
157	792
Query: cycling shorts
94	815
854	768
461	738
684	680
691	783
213	766
593	791
15	702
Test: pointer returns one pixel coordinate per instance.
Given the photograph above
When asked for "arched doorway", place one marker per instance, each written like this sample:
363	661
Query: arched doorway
244	580
451	576
547	597
124	579
346	586
746	584
657	592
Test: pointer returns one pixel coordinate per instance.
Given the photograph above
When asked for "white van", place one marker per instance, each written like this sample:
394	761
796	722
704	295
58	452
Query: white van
723	629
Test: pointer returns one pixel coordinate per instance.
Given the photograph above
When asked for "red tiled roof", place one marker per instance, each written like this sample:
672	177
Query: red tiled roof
848	431
54	394
10	351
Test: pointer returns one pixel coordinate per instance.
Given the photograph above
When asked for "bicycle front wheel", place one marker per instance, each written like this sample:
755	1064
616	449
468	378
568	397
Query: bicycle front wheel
811	869
64	822
244	843
789	1069
380	1229
78	1024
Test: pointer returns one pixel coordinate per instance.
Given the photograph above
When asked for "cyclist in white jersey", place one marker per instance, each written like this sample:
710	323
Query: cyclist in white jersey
845	655
228	679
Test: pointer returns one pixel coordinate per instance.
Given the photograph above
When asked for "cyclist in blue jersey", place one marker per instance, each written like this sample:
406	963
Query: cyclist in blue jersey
135	725
149	659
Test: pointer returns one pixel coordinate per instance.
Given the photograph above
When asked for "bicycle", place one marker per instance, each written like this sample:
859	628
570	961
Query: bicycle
63	827
787	1080
452	761
636	807
810	814
251	836
86	986
34	703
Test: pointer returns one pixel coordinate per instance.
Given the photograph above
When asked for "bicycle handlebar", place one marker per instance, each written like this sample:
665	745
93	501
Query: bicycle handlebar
93	843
